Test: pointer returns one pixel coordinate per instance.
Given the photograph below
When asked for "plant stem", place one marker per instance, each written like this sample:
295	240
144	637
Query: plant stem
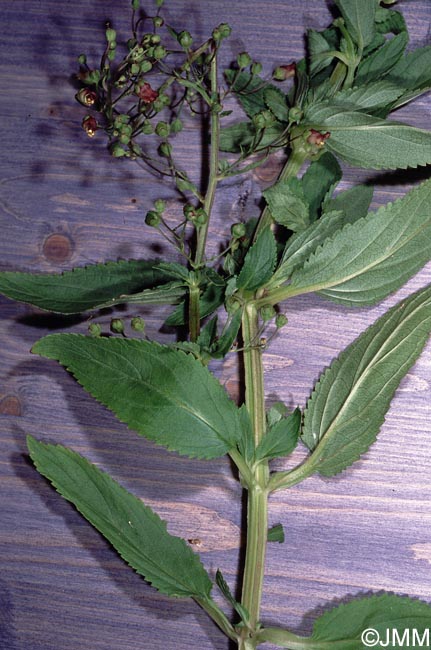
218	616
286	639
257	519
202	232
194	314
290	169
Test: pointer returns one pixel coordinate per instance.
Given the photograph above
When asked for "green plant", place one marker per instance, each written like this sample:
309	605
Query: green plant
308	239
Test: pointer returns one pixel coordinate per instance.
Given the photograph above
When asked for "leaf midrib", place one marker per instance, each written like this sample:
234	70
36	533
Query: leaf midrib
140	380
376	359
393	251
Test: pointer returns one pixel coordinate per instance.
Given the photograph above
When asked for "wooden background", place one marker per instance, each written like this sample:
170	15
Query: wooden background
64	202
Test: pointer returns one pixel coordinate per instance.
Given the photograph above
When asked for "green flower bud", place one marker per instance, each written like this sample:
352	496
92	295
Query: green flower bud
82	59
158	21
152	218
165	149
238	230
138	324
185	39
147	128
225	30
243	59
159	206
159	3
216	34
111	55
176	125
135	68
158	105
232	305
131	43
117	326
135	5
137	54
93	77
146	66
121	81
280	321
256	68
201	217
159	52
295	114
267	312
162	129
95	329
189	211
155	39
263	119
124	138
164	99
111	35
117	151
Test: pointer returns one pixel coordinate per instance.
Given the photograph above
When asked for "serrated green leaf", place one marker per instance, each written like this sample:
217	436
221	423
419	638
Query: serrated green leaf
369	259
281	439
163	394
348	405
259	262
276	534
318	46
175	270
134	530
386	621
370	97
370	142
170	293
208	333
389	21
321	175
249	90
277	411
301	245
243	137
224	588
384	613
89	287
380	62
354	203
276	101
228	336
413	73
359	16
413	70
288	205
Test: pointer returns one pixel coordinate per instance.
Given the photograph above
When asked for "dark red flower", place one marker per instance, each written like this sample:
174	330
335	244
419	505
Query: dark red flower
147	94
86	97
89	124
317	138
283	72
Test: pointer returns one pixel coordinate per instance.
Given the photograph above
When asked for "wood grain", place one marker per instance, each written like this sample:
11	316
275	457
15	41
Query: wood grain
65	202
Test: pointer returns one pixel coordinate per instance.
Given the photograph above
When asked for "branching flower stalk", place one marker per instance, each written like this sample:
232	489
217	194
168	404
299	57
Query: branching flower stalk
334	105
